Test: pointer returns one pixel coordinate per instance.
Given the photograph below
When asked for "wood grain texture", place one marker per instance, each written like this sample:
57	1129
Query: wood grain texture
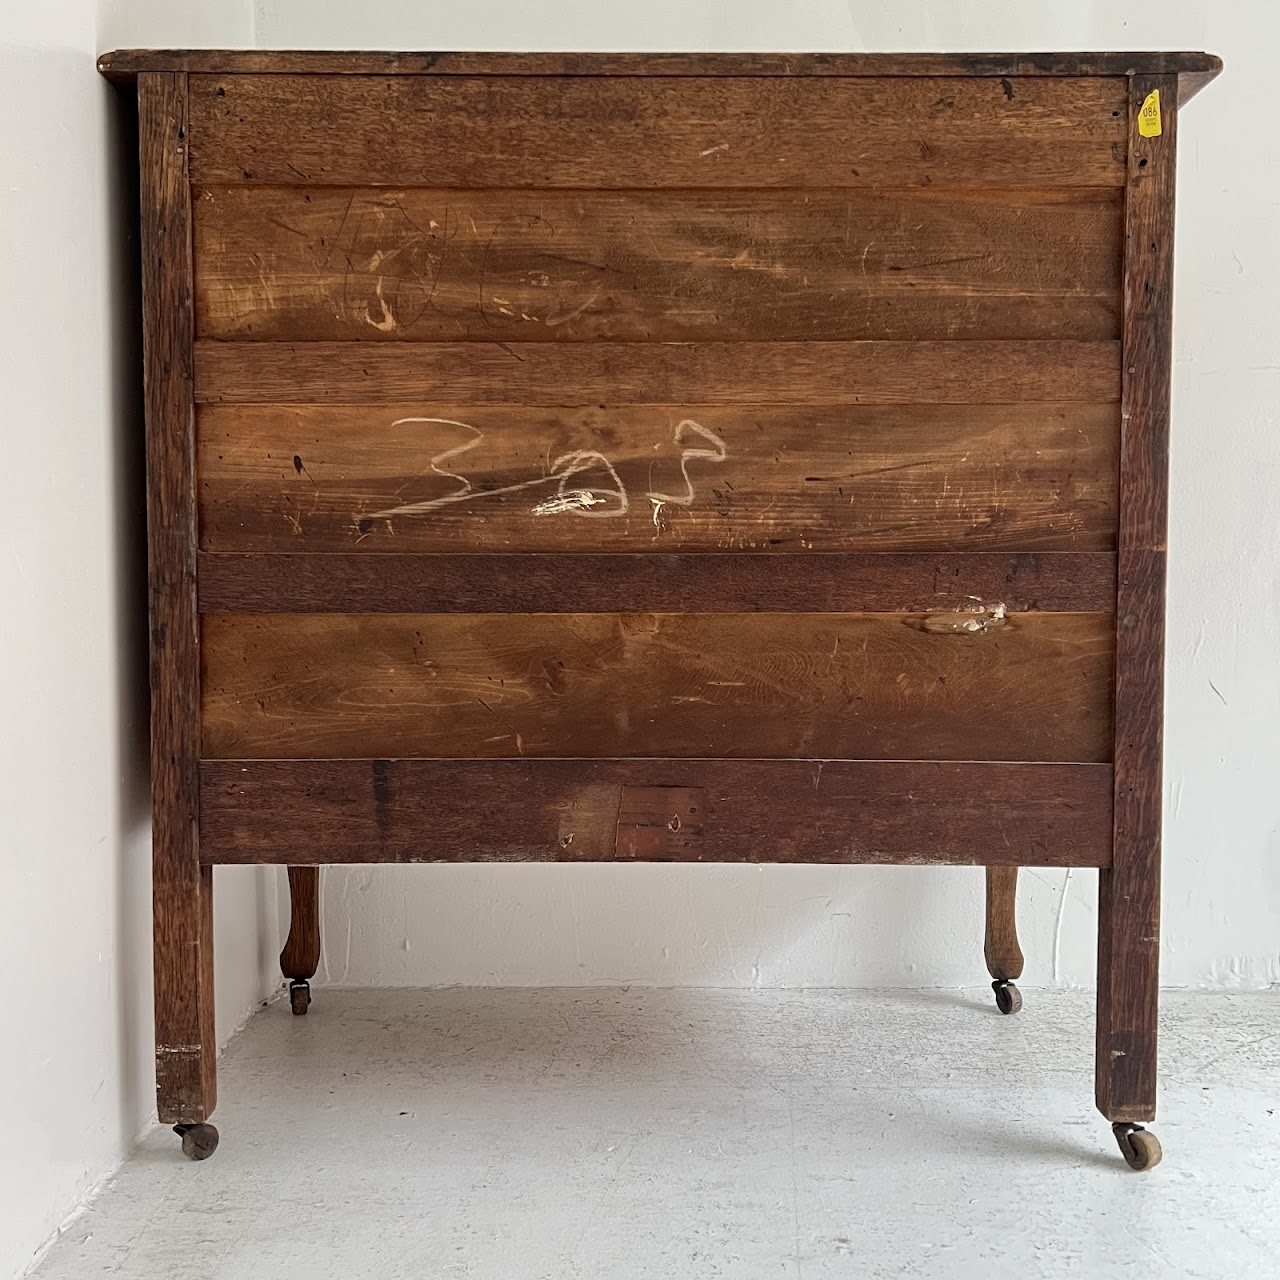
316	263
587	132
124	64
564	582
186	1046
659	824
300	956
658	478
1000	945
662	373
567	810
886	686
1129	894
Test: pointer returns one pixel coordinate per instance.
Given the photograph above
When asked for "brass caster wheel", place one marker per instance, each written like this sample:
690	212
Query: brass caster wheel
299	996
199	1141
1140	1147
1008	997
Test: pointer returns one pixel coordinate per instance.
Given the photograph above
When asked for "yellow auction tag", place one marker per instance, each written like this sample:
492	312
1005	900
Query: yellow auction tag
1149	116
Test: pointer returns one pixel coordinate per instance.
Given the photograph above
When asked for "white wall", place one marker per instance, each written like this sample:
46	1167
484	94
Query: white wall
820	926
76	1078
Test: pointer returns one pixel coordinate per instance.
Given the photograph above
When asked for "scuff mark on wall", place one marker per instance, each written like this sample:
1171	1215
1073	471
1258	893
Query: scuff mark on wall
1057	926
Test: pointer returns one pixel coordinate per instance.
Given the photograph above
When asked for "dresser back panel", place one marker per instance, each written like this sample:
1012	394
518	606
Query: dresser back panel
441	320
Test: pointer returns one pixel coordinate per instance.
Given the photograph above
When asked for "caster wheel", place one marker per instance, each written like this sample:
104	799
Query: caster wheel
1140	1147
1008	997
299	997
199	1141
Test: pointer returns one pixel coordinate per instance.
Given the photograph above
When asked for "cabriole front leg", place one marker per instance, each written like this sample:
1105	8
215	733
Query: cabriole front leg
301	955
1003	955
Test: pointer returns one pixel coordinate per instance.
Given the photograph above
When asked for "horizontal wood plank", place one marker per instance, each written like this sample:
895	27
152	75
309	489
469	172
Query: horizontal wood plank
315	263
671	373
353	811
950	686
658	131
695	477
820	582
123	64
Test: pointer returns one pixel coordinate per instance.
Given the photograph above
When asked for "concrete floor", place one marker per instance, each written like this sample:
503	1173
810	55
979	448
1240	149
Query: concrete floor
565	1134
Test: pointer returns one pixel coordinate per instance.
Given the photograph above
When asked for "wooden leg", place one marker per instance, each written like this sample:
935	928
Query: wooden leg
182	889
186	1044
301	955
1004	956
1129	889
1128	986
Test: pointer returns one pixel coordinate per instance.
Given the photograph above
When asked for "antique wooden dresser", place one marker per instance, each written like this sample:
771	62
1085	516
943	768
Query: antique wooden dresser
737	457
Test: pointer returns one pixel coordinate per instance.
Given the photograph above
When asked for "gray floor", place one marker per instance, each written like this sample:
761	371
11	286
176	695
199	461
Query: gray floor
562	1134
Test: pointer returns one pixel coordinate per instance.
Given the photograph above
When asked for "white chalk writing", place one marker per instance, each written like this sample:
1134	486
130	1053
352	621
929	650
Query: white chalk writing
604	497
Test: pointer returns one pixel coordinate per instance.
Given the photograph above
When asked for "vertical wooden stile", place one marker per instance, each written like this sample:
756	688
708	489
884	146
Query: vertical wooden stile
183	890
1129	891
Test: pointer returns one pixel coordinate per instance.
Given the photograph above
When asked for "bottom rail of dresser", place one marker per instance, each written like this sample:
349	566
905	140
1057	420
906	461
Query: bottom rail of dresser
318	812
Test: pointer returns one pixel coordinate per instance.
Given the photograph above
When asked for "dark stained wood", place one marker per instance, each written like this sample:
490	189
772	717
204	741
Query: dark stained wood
816	582
890	686
316	263
1129	894
658	478
756	810
668	373
589	132
124	64
1000	947
186	1046
1198	72
300	957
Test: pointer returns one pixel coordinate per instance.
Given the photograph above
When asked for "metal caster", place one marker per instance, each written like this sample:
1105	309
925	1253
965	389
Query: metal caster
1008	997
299	996
199	1141
1140	1147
